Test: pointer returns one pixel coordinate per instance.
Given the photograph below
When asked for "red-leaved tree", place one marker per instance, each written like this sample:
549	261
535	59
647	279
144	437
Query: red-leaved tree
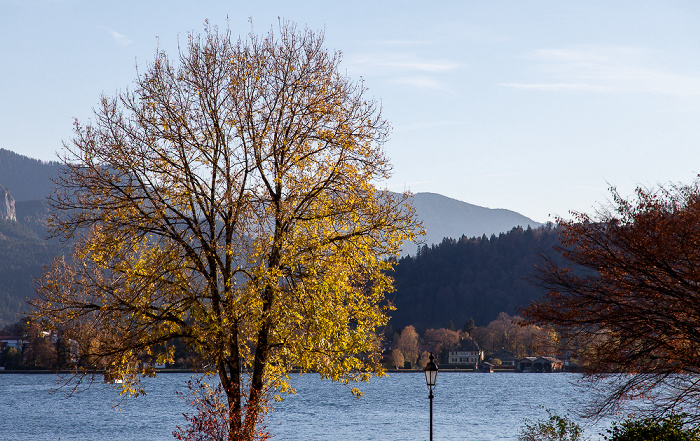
626	297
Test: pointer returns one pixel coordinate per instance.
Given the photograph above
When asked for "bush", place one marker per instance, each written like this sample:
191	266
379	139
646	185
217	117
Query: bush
555	428
649	429
211	422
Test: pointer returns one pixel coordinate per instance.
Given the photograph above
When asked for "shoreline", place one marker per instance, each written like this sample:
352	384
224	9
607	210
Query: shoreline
71	372
191	371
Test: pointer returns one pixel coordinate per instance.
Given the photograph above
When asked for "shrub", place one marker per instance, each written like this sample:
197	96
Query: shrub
555	428
649	429
211	422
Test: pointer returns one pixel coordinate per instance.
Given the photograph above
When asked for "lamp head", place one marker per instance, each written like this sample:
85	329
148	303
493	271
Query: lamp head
431	371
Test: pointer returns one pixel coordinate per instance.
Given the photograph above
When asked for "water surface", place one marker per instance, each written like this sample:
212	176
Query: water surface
467	407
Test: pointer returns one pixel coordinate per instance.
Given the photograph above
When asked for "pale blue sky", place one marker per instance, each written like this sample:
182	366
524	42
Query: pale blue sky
535	106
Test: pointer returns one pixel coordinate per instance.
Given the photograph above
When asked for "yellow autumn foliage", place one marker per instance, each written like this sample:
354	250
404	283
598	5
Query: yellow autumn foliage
229	200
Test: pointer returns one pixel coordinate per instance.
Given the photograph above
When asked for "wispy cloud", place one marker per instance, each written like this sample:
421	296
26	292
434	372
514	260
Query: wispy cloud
403	62
606	70
404	68
120	39
557	86
419	81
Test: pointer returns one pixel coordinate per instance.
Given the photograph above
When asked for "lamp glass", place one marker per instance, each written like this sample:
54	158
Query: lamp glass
431	371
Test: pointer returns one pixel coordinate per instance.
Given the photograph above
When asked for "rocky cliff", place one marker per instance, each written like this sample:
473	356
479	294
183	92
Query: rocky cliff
7	205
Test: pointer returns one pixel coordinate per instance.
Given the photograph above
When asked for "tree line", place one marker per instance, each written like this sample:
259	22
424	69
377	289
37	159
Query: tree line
410	348
477	277
45	347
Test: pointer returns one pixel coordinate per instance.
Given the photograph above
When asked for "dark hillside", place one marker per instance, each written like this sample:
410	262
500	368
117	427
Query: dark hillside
476	277
27	178
23	256
34	215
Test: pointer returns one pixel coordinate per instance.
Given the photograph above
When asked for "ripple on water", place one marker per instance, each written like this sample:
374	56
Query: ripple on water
467	407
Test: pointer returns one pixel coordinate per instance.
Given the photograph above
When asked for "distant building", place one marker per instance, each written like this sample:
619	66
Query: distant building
507	357
146	360
538	364
11	342
524	364
468	352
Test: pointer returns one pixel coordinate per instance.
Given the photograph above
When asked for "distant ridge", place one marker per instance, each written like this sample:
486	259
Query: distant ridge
31	179
24	251
447	217
27	179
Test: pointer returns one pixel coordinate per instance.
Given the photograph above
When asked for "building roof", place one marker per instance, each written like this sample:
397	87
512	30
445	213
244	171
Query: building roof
551	359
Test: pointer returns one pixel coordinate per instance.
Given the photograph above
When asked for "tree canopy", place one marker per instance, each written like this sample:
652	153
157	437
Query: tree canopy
626	298
230	200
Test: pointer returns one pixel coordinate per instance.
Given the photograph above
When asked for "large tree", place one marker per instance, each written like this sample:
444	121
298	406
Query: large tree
229	200
626	299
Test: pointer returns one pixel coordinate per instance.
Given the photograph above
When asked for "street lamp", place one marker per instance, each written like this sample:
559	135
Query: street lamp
431	371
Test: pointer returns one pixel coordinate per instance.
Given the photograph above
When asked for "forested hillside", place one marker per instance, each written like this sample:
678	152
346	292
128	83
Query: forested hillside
476	277
24	249
23	255
26	178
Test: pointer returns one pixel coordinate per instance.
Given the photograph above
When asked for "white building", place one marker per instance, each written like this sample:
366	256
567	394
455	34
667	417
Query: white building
468	352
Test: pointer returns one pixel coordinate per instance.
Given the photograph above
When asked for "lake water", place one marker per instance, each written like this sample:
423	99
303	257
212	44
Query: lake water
467	407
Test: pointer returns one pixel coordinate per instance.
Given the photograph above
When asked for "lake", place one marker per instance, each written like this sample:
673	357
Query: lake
467	407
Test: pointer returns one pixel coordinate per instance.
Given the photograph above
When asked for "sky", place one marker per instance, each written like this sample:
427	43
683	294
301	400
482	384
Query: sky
535	106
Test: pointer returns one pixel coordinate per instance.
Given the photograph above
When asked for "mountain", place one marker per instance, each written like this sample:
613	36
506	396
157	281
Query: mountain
24	251
27	179
23	255
447	217
31	179
25	183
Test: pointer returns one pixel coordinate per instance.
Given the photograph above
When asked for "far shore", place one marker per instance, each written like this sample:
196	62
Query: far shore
190	371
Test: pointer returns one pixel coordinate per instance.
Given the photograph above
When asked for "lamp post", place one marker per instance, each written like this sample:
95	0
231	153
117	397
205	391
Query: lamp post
431	371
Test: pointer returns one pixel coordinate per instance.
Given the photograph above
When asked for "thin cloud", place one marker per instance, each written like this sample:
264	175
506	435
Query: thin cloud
120	39
606	70
502	175
421	82
403	63
404	68
557	87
